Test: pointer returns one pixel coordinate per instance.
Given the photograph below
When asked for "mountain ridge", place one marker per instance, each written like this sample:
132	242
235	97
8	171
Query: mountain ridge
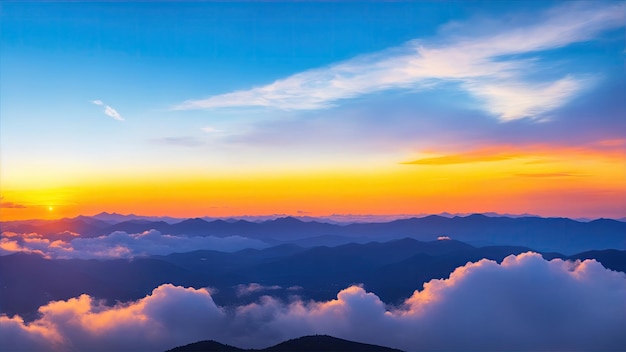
545	234
310	343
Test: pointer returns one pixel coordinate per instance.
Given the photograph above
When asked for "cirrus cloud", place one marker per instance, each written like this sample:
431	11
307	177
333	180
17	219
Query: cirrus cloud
487	67
108	110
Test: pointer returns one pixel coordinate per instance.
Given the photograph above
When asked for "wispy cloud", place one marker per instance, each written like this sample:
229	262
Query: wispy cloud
483	66
533	153
120	245
12	205
551	175
209	129
245	290
183	141
464	158
108	110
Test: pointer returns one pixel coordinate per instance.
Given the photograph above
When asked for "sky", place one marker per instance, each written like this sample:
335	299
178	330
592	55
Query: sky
226	109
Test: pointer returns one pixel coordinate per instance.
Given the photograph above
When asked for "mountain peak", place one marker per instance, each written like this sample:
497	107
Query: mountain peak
287	220
305	344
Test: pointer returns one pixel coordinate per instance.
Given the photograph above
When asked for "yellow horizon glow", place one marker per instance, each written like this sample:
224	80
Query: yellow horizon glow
565	182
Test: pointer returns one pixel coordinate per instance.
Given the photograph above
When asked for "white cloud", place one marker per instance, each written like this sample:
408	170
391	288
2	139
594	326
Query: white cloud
210	130
113	113
524	303
244	290
479	64
170	315
514	100
108	110
121	245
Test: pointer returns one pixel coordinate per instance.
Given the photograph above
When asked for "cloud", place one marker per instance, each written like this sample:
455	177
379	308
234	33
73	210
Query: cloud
513	100
170	315
244	290
524	303
12	205
210	129
108	110
185	141
487	66
464	158
121	245
550	174
535	153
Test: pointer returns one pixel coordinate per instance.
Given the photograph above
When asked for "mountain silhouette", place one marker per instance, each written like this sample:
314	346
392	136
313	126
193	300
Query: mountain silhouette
205	346
313	343
545	234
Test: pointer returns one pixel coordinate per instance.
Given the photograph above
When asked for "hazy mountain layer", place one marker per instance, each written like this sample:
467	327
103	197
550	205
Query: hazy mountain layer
545	234
392	269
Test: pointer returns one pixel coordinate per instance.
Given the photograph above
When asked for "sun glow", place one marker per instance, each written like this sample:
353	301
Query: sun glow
536	182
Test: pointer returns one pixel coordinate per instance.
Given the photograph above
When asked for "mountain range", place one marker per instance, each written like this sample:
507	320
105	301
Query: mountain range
545	234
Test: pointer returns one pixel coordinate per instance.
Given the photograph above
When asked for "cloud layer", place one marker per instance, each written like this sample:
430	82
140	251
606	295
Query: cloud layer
524	303
120	244
109	111
488	67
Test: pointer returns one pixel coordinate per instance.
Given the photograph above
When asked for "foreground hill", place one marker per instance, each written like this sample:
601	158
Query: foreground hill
316	343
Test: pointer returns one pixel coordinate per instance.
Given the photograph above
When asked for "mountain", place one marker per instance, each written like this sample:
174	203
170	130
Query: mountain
114	218
546	234
325	343
315	343
610	258
205	346
28	281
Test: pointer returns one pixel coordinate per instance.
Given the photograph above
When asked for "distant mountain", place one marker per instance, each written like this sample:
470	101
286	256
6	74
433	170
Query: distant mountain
315	343
545	234
114	218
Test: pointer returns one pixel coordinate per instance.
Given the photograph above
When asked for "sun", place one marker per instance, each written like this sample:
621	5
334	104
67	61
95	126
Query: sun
50	208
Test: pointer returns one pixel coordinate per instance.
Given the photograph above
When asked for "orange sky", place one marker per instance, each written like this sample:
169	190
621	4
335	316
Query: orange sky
367	110
550	182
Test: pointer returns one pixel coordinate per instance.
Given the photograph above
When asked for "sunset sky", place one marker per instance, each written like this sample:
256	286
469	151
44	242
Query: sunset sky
218	109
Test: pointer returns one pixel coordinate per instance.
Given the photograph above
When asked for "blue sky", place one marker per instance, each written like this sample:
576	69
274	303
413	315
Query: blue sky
231	87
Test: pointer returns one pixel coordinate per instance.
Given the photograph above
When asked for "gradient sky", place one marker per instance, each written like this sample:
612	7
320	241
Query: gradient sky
193	109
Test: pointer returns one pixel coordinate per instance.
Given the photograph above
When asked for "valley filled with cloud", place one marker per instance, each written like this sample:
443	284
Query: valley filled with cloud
525	301
412	289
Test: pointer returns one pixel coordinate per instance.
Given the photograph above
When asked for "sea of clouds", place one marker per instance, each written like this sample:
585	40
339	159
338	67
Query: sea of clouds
524	303
120	244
